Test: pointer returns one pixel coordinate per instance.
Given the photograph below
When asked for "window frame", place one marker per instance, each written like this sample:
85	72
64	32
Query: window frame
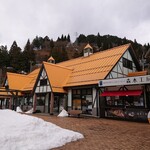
127	63
43	82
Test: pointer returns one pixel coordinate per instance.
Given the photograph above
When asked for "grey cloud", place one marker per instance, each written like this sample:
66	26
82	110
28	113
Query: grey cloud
25	19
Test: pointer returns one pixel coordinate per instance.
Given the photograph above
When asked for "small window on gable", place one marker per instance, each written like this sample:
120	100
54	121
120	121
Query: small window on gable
127	63
43	82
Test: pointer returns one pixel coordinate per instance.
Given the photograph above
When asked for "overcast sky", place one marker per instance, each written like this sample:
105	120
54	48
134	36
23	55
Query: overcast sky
23	19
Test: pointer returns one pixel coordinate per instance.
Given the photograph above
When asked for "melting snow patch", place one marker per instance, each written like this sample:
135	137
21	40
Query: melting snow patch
19	110
22	132
63	113
29	111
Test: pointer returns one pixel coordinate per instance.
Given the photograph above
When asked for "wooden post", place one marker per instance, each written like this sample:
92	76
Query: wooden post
10	103
34	102
51	103
16	100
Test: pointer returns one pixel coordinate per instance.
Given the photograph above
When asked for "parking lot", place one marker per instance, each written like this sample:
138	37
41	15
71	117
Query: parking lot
103	134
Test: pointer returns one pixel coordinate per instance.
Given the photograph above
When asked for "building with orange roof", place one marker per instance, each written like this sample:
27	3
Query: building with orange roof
93	83
17	89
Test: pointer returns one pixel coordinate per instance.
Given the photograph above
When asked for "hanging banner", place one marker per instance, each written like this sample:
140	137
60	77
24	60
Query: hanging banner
125	81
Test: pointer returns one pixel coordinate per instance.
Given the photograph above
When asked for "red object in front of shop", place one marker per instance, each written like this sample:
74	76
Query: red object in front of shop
122	93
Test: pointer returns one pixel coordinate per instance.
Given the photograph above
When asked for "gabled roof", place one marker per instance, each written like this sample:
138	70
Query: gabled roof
88	46
57	76
51	58
22	82
33	76
16	81
89	70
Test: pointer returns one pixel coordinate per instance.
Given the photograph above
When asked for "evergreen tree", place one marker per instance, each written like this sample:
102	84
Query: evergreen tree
58	39
28	57
37	42
98	41
135	41
46	43
56	55
105	44
91	38
4	57
52	44
81	39
68	38
65	38
62	37
64	54
15	56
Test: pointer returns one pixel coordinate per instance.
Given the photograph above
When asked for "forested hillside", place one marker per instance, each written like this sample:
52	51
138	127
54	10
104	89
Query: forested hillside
40	49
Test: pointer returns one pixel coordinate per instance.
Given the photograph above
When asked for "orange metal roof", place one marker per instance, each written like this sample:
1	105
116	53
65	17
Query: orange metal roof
33	76
16	81
22	82
80	71
57	76
6	94
140	73
89	70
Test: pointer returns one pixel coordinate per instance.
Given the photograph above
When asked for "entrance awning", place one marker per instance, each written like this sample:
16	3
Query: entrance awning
122	93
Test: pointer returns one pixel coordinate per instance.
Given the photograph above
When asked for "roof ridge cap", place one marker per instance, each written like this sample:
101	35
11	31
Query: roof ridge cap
56	65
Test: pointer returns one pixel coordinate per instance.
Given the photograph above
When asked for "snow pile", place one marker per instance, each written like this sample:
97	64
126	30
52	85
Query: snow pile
22	132
63	113
29	111
19	110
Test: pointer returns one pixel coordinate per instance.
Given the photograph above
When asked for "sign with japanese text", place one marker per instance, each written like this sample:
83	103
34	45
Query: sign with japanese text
125	81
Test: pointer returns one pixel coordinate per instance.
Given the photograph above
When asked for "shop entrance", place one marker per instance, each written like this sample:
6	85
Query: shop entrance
82	100
42	104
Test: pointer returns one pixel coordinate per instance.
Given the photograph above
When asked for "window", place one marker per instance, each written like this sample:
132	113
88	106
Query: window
125	101
43	82
76	92
114	101
127	63
82	100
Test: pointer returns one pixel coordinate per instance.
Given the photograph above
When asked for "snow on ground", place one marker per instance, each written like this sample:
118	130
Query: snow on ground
19	110
23	132
29	111
63	113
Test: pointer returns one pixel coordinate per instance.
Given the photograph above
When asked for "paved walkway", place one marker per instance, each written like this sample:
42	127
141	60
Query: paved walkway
104	134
